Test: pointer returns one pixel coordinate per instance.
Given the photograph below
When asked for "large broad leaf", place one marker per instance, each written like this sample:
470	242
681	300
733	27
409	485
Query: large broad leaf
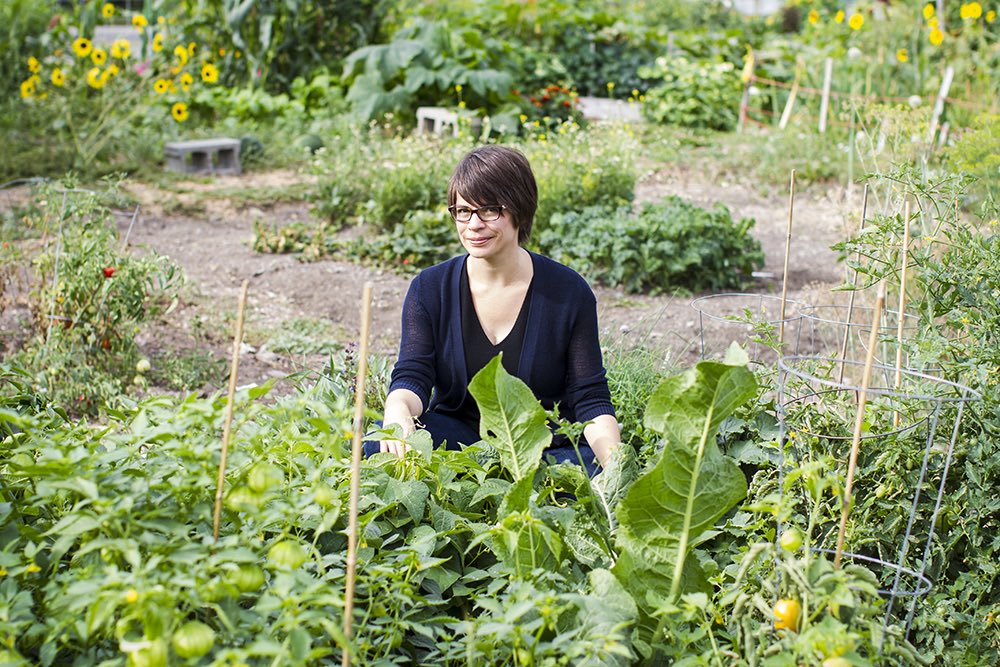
690	487
511	419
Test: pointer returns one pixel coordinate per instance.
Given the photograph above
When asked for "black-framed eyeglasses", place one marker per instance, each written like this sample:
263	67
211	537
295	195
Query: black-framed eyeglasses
485	213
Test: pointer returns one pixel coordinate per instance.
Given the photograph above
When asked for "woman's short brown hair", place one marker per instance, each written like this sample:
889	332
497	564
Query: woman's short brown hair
497	175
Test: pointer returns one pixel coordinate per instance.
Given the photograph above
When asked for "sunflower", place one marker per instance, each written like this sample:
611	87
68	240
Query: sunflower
856	21
121	49
186	81
902	55
209	73
161	86
95	79
936	36
28	88
191	47
813	17
182	54
99	56
82	47
158	42
34	65
113	70
928	11
139	22
839	17
108	10
58	78
179	111
972	10
932	22
991	16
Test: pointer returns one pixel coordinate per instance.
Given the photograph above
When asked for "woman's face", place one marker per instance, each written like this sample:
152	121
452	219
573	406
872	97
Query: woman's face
486	240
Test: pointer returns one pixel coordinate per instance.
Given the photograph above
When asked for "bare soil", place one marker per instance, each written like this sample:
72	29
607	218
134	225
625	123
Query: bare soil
211	238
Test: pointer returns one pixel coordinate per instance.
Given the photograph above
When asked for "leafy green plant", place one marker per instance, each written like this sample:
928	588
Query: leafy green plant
671	245
692	94
423	65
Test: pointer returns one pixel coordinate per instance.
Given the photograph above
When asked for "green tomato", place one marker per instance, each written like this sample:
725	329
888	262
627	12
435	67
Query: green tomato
837	661
194	639
242	499
790	540
248	578
324	495
287	554
265	476
142	366
154	654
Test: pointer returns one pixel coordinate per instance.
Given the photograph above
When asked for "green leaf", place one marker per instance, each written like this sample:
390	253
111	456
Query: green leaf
512	420
691	486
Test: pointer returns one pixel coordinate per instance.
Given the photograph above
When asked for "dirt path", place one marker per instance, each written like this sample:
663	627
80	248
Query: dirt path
213	244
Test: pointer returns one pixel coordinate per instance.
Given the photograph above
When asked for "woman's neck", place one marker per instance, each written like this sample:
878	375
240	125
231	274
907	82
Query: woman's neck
500	271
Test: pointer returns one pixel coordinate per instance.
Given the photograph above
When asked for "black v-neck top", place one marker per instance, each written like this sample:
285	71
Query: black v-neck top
479	351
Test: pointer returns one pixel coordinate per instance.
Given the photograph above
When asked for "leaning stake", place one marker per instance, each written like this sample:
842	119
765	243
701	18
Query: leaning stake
226	429
784	275
902	304
854	290
856	442
359	415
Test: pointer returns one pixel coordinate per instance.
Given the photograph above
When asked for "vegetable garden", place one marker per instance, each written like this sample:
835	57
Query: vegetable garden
810	477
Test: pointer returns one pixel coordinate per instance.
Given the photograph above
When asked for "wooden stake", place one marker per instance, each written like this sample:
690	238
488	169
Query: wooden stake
786	114
949	74
824	105
227	425
747	77
784	275
902	303
854	284
359	416
856	441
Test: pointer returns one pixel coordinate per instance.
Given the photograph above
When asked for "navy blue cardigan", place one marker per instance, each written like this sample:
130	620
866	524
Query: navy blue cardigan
560	360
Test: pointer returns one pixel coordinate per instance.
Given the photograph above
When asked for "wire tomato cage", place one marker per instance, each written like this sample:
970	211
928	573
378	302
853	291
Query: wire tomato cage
751	320
911	428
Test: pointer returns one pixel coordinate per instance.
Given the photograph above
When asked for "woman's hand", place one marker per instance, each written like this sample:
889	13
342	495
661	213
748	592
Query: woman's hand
401	408
604	435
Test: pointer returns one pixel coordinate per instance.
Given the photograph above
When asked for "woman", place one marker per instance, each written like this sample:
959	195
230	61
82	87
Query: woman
458	315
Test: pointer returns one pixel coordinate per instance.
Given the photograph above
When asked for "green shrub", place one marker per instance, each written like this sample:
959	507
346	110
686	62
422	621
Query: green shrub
692	94
667	246
366	177
977	153
578	168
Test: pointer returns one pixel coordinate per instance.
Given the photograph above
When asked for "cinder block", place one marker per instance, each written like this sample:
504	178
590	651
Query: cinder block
204	156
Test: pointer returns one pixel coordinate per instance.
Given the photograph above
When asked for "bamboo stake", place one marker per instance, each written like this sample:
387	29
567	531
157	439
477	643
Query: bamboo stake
359	415
856	441
854	284
227	425
902	304
784	275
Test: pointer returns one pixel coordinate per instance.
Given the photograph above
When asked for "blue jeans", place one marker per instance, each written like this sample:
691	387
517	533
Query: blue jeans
453	433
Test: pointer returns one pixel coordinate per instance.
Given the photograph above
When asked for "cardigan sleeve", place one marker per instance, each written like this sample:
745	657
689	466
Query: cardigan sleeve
586	381
414	369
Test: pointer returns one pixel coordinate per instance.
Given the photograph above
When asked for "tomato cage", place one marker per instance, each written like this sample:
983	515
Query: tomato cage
755	321
843	331
906	440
